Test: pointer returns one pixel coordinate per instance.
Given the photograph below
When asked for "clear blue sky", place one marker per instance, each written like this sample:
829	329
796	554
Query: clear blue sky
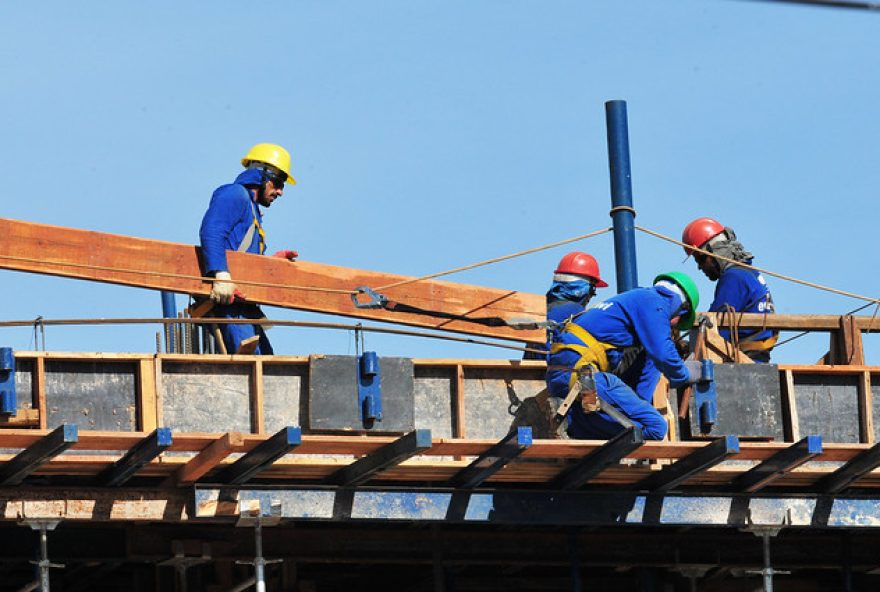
428	135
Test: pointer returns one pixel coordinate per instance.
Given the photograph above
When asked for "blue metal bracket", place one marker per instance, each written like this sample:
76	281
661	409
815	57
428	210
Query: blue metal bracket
596	461
369	388
392	454
142	453
706	397
696	462
266	453
8	400
34	456
494	459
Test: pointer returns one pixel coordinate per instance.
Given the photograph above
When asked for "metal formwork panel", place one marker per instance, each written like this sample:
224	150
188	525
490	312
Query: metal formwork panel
206	397
92	395
827	405
285	389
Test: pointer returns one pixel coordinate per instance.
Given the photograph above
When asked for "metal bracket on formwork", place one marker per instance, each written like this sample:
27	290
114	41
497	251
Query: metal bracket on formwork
182	562
258	516
43	564
706	397
369	388
765	531
8	400
376	300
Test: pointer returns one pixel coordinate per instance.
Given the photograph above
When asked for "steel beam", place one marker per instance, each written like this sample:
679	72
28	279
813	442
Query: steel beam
262	456
846	475
698	461
778	465
494	459
31	458
596	461
362	470
139	455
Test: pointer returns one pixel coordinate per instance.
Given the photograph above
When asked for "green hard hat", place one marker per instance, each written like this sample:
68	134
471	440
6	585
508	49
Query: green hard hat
687	285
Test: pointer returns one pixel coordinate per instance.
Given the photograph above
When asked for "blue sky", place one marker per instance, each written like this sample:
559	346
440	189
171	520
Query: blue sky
428	135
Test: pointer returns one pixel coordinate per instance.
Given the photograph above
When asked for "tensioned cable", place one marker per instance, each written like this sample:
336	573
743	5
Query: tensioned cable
270	322
770	273
495	260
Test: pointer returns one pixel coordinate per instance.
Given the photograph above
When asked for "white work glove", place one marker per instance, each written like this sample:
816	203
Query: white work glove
695	371
223	290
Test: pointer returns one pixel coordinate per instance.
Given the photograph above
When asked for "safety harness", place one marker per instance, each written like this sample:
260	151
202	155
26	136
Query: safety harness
592	352
254	227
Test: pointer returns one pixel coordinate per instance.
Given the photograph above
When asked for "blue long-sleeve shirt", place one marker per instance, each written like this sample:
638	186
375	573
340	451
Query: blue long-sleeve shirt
226	223
746	291
637	317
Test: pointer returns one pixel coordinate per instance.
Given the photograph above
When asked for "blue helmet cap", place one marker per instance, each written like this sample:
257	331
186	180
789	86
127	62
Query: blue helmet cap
250	177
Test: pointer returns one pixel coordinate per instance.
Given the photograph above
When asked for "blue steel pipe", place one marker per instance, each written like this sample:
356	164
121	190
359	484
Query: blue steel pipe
169	311
622	212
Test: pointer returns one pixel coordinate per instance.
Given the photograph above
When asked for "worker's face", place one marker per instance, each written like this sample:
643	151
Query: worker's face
271	192
708	266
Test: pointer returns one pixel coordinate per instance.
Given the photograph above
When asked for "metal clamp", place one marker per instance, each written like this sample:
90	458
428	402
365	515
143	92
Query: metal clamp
376	300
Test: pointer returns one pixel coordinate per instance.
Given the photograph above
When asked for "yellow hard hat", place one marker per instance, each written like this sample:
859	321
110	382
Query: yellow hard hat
272	154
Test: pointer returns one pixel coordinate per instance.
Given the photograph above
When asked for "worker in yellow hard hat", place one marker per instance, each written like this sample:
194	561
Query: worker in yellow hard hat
233	222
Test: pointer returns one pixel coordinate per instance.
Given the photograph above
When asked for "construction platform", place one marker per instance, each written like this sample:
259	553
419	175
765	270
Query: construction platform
156	472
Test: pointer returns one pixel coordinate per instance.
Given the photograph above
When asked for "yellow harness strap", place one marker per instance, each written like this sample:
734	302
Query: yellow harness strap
762	345
592	352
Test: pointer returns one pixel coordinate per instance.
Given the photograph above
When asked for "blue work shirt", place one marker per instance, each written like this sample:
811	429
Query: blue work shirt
226	223
746	291
639	317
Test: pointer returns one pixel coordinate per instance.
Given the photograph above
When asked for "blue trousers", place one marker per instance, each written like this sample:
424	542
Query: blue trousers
233	335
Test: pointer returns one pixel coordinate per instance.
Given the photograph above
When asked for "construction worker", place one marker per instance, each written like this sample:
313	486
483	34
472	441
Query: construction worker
627	342
574	283
738	288
233	222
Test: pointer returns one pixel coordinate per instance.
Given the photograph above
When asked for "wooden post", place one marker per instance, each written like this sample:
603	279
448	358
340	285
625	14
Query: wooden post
258	420
789	405
146	395
40	390
866	409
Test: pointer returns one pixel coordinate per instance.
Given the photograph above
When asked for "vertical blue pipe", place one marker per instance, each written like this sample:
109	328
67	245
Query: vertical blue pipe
622	214
169	311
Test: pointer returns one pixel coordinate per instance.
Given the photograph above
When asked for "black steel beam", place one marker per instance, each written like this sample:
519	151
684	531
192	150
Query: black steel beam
846	475
696	462
596	461
31	458
494	459
262	456
778	465
139	455
363	469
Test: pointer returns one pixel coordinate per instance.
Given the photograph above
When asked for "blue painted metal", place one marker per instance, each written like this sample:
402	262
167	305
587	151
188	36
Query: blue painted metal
261	457
369	388
391	454
598	460
34	456
142	453
169	311
698	461
542	507
8	399
778	465
706	397
494	459
849	473
622	214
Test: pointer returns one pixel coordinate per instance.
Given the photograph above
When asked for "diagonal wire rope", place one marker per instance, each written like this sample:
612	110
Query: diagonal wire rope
495	260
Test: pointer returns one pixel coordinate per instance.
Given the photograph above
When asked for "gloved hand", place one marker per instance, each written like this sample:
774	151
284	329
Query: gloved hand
287	254
695	371
223	289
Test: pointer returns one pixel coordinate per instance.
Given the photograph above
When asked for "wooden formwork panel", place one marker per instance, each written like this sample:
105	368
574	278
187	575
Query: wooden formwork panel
827	405
285	391
205	397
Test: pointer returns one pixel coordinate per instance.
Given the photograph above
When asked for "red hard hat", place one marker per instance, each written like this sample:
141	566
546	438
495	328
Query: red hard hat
699	232
582	264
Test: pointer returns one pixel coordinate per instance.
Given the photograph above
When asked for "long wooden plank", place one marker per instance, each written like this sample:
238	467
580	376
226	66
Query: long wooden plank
794	322
302	285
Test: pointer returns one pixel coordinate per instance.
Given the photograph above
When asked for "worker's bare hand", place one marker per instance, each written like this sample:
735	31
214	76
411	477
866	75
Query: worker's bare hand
287	254
223	290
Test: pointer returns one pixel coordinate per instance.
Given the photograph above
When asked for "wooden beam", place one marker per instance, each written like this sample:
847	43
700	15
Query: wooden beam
212	455
301	285
146	395
798	322
258	419
866	409
789	405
